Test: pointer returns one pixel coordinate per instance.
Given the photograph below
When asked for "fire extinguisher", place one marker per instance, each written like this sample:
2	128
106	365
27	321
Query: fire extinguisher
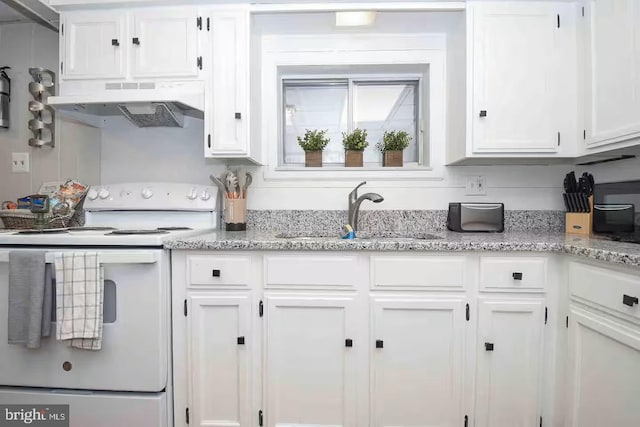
5	97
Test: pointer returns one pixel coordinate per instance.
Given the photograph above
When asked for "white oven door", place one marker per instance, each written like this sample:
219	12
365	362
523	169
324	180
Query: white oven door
136	334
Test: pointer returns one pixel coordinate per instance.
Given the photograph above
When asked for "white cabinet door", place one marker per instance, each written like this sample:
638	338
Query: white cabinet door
94	45
310	371
417	362
509	359
613	53
227	99
165	43
513	77
605	371
219	335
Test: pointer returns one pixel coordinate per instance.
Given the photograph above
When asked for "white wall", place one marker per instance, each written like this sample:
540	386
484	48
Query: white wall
76	154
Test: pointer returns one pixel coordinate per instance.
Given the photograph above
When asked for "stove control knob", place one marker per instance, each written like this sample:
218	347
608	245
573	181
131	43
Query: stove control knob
104	193
92	194
205	195
147	193
193	194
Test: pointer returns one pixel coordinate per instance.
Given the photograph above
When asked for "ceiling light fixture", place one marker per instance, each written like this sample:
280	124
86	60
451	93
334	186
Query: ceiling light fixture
355	18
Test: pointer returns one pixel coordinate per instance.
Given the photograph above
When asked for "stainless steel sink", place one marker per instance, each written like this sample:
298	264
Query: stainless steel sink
361	236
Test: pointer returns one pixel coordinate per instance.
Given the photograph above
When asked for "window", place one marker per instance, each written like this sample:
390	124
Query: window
341	81
339	105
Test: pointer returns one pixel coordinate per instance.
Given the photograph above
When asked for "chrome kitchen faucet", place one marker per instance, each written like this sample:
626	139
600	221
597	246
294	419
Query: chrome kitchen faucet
355	202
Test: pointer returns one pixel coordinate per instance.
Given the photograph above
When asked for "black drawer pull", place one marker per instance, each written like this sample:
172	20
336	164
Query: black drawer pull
115	42
379	344
488	346
517	276
240	340
215	273
136	41
238	116
348	342
629	300
483	113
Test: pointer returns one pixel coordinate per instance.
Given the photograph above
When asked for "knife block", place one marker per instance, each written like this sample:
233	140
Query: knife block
579	222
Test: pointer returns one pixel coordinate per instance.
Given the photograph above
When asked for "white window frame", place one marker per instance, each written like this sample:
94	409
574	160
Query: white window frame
279	51
352	81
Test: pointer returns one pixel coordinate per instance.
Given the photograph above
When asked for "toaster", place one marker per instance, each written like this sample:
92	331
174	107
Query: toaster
475	217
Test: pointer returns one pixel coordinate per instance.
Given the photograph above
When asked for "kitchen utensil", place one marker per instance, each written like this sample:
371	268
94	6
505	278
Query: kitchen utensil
232	185
218	183
247	183
590	182
573	183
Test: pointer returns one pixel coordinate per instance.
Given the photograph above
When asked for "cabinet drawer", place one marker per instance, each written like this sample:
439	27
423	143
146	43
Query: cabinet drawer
605	287
513	274
219	270
311	270
400	272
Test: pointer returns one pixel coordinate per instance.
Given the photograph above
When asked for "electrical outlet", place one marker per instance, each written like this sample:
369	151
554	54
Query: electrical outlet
476	186
19	162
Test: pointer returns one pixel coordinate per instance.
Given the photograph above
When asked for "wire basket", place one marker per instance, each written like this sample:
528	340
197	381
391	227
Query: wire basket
24	219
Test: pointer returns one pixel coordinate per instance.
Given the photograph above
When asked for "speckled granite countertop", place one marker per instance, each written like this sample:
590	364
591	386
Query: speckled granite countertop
592	248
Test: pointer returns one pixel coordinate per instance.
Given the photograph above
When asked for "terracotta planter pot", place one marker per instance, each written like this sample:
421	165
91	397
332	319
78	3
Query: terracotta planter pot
392	158
313	159
353	158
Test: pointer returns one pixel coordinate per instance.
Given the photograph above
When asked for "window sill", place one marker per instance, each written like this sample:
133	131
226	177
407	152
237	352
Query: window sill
337	172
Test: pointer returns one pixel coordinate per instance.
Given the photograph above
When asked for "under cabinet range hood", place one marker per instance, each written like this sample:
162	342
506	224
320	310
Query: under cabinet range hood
144	108
35	10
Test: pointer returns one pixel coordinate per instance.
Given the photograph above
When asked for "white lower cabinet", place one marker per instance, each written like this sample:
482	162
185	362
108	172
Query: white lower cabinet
417	361
267	348
309	360
604	370
219	337
509	362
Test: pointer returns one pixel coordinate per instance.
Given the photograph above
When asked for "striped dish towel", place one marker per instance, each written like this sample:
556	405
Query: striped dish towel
79	299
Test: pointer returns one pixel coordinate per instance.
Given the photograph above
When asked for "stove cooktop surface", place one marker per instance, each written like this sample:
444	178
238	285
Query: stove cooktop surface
96	236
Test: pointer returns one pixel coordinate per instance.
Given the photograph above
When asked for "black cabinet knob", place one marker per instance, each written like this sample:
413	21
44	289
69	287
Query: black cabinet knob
483	113
240	340
115	42
136	41
215	273
238	116
629	300
379	344
348	342
488	346
516	276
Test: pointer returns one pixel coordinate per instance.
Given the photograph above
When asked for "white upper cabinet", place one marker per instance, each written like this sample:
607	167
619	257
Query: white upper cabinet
417	362
131	44
227	101
165	43
515	73
94	45
510	350
612	55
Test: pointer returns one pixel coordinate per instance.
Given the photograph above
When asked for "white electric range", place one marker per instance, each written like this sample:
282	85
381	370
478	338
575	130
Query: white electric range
127	382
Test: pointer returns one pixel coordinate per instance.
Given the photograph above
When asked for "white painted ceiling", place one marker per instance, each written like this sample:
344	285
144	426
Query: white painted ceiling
7	14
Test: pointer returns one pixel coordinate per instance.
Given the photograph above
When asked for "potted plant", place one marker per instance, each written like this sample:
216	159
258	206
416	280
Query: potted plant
354	144
391	146
313	143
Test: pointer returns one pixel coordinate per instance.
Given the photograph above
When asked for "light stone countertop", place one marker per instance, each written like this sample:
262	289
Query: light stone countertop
591	248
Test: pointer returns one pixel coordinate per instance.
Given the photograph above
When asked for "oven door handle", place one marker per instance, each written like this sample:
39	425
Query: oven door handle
117	257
